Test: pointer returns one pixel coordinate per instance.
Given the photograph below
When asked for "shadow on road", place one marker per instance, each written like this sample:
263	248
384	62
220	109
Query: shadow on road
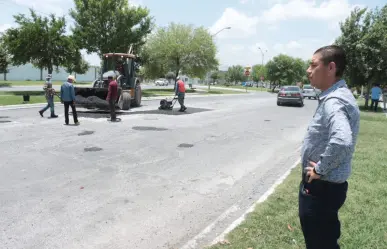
106	114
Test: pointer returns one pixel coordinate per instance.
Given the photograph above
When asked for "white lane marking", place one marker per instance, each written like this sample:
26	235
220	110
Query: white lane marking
252	208
191	244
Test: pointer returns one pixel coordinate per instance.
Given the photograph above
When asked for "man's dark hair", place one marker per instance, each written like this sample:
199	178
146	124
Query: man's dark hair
336	54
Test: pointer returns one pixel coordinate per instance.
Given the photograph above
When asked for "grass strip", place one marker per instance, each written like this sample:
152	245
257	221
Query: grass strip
275	223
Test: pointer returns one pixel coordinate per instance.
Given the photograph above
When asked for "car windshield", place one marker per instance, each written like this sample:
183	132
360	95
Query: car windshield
291	89
308	87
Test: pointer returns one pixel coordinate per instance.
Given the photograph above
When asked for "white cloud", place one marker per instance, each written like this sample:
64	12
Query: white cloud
4	27
57	7
242	26
330	10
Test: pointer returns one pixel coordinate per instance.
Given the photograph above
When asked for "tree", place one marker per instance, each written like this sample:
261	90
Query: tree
109	25
235	74
170	76
4	60
38	40
258	71
78	66
364	40
284	69
181	49
214	76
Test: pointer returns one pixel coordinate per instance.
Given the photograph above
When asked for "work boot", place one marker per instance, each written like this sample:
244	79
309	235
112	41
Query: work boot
41	113
54	116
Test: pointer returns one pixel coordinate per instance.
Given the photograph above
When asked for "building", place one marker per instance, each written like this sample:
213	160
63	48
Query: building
28	72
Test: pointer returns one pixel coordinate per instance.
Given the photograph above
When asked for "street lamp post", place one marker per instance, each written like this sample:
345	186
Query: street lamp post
220	31
263	53
213	36
263	56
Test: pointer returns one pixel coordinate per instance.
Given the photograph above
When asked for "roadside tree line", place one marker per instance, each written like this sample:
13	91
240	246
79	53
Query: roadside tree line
281	70
102	27
363	36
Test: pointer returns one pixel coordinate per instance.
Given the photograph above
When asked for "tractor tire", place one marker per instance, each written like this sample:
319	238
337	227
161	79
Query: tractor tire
136	101
124	102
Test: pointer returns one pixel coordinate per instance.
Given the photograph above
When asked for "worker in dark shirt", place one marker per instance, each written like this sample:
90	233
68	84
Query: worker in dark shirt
112	97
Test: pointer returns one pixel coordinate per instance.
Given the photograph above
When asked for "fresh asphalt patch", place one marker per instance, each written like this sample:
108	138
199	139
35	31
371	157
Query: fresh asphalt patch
92	149
185	145
85	133
5	121
148	128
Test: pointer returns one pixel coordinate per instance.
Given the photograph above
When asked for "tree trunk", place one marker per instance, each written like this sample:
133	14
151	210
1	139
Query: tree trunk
41	73
5	76
367	95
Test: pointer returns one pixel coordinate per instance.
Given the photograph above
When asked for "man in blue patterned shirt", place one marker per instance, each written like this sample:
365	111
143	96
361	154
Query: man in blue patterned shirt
327	150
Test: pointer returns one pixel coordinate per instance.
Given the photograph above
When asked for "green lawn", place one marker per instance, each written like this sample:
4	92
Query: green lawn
274	224
17	100
260	89
16	97
33	83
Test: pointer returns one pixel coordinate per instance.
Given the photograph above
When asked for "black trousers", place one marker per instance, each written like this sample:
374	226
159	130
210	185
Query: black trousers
66	107
374	104
319	204
112	107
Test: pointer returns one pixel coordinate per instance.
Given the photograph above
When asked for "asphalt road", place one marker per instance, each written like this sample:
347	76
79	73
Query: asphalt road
154	180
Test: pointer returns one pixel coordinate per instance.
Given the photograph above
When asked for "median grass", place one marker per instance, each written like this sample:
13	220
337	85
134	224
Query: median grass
259	89
275	224
10	83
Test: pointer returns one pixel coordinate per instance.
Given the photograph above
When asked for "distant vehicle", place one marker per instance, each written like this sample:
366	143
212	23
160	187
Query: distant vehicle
290	95
310	92
161	82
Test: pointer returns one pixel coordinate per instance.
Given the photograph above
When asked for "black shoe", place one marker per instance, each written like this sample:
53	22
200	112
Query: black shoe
41	113
54	116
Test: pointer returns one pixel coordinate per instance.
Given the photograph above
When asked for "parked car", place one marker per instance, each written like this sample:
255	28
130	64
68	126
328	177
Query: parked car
310	92
290	95
161	82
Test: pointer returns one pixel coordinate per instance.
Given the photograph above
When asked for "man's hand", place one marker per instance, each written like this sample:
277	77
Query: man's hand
310	172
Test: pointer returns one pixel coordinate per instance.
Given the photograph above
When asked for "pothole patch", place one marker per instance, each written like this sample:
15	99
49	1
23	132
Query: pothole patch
185	145
5	121
92	149
4	117
85	133
148	128
267	120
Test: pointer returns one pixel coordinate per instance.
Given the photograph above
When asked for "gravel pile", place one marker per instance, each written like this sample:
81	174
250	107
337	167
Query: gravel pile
92	101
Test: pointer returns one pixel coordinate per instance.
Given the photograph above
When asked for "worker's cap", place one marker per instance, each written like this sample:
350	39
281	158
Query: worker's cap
70	77
110	77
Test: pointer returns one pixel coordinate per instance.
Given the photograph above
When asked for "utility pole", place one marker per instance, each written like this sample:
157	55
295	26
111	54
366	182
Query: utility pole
263	56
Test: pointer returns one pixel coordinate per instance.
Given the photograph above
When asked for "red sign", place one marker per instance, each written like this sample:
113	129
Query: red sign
247	72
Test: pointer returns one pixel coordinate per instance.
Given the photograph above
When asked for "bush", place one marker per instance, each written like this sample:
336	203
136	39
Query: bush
3	84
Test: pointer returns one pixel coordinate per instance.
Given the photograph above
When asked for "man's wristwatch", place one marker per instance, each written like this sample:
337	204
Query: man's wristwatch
314	171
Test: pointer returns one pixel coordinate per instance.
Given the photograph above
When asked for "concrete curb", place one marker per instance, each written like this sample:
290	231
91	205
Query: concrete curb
27	106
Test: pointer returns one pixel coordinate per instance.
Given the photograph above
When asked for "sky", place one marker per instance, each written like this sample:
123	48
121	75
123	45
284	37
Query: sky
293	27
